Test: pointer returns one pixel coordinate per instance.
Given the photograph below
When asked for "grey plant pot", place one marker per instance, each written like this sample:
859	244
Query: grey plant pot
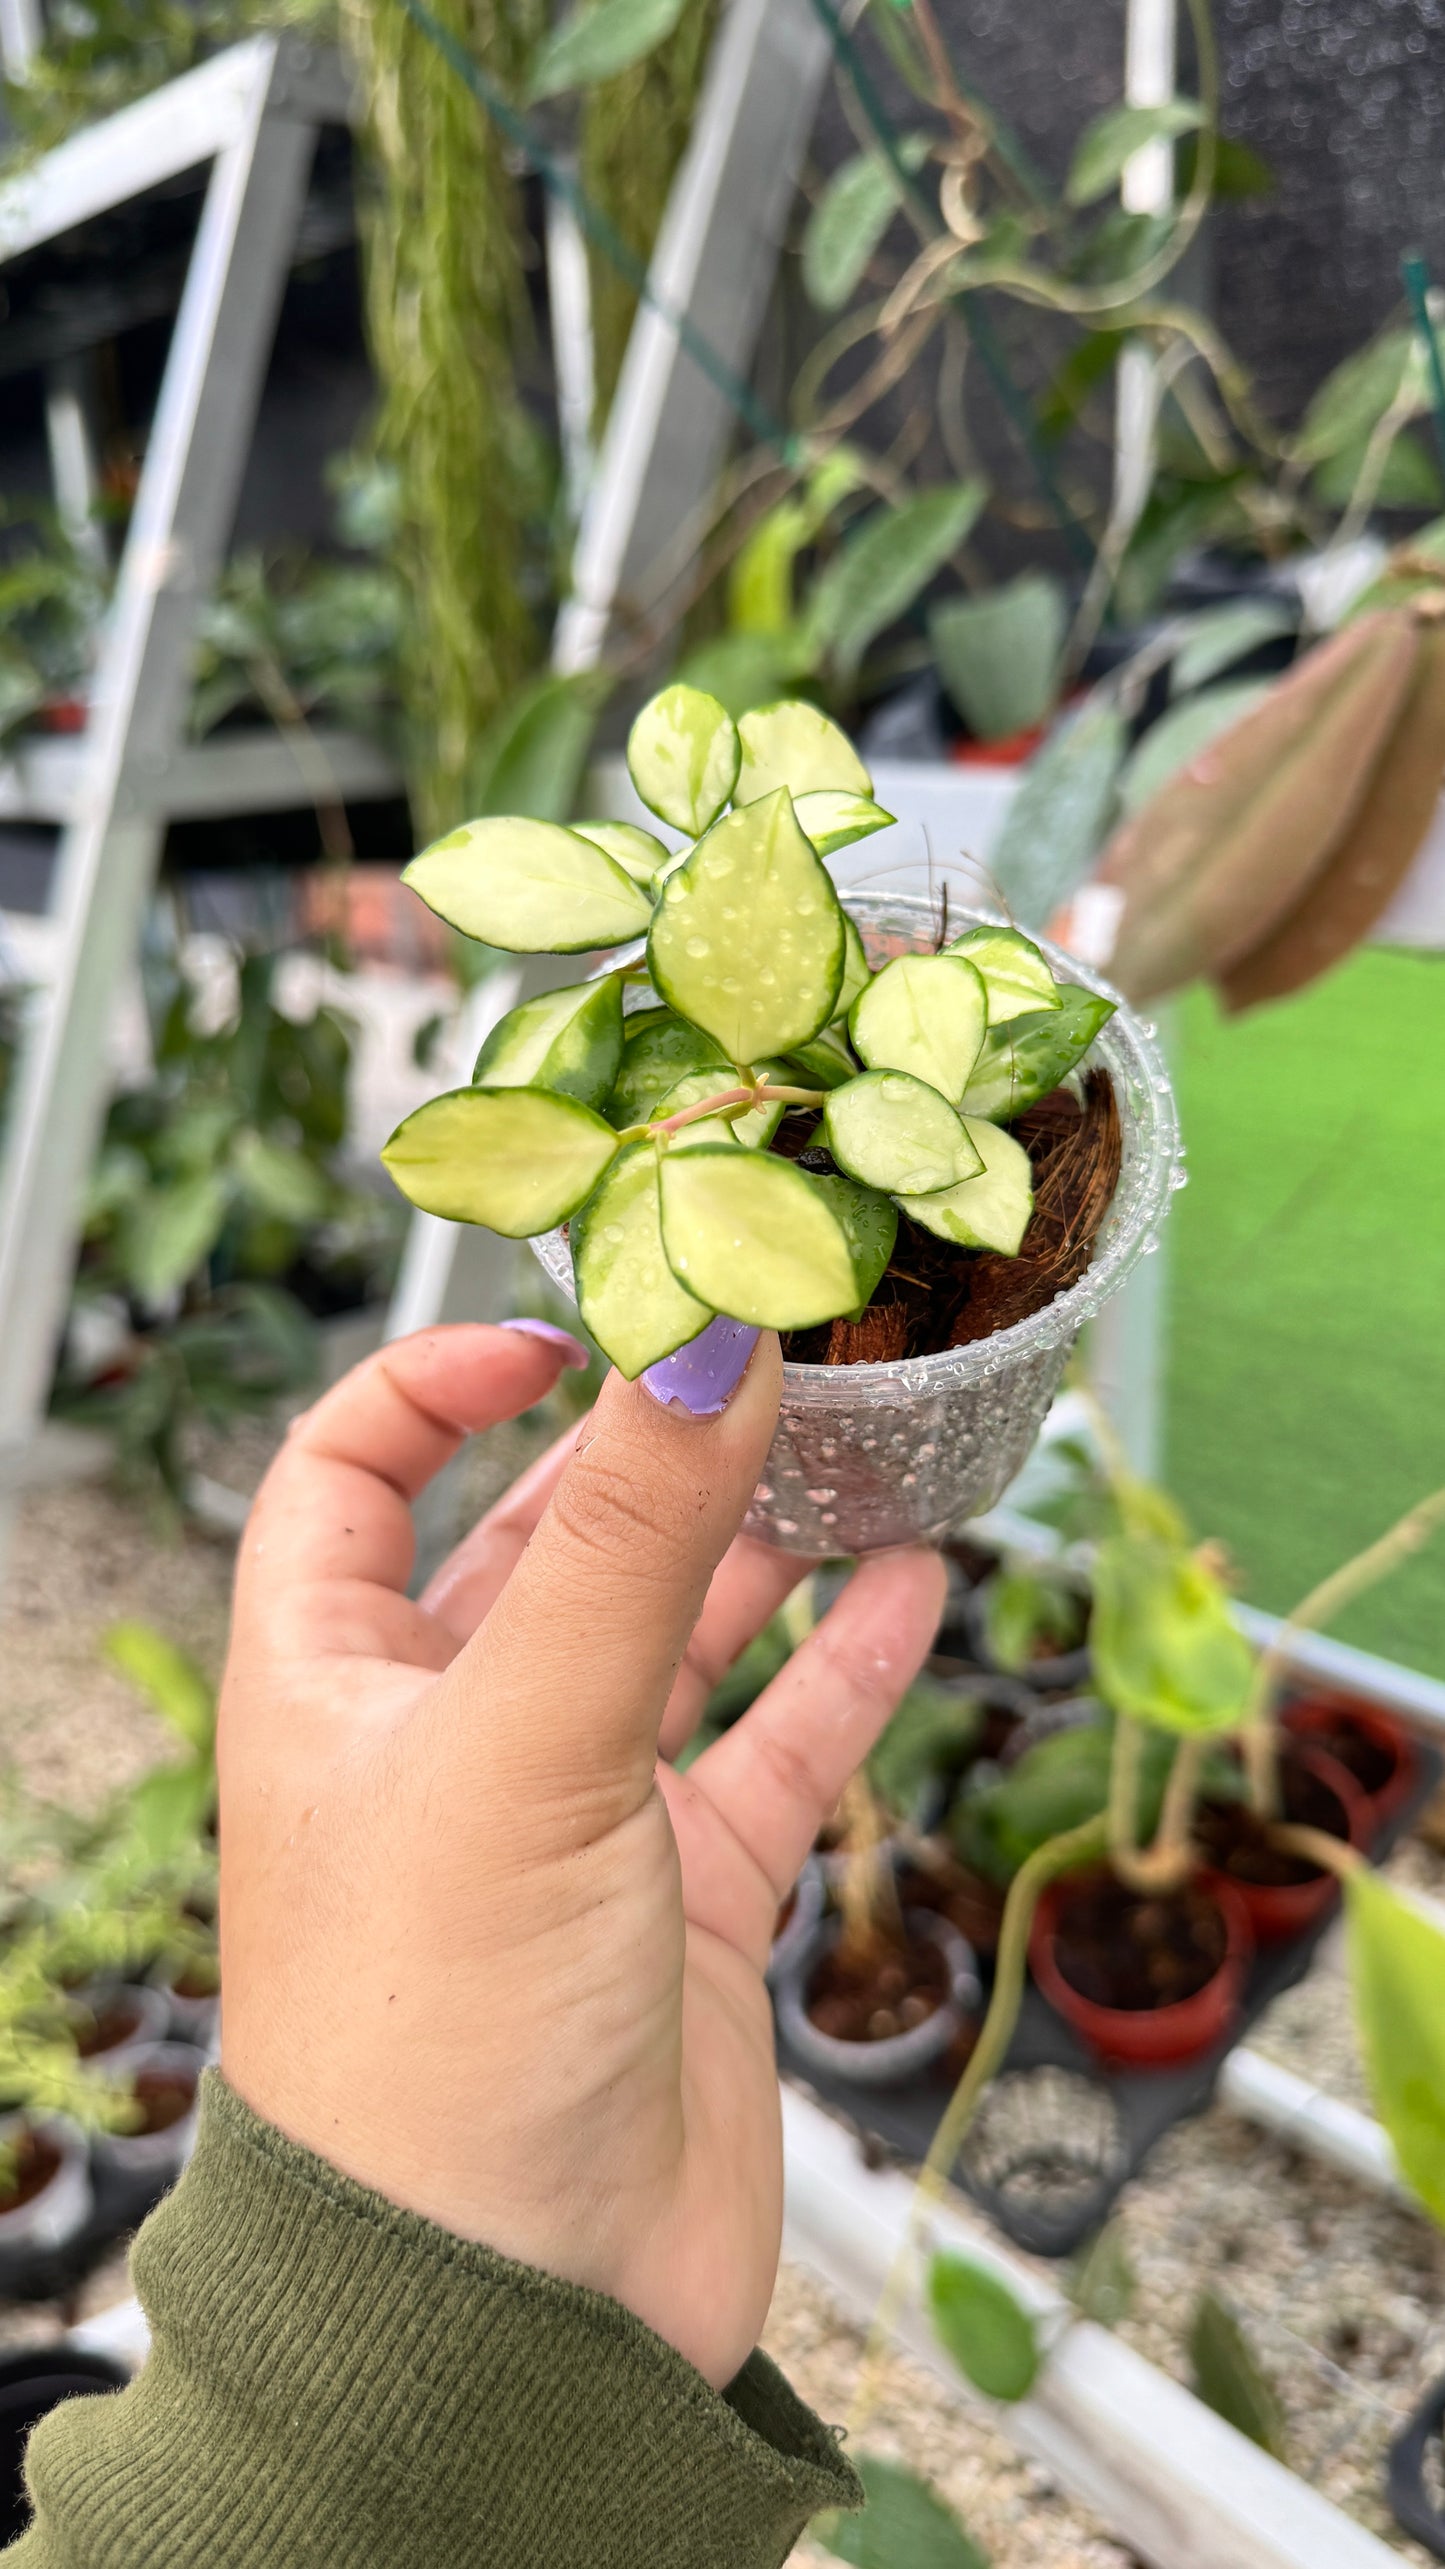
898	2056
152	2015
53	2219
152	2157
868	1456
810	1899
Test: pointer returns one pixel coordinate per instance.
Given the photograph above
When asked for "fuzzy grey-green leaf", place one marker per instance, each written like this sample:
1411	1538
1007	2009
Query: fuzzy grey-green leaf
747	939
569	1040
531	887
890	1130
927	1014
518	1160
626	1291
756	1238
682	754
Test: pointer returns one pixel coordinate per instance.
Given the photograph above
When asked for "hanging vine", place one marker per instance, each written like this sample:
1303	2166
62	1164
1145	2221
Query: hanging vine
633	129
444	251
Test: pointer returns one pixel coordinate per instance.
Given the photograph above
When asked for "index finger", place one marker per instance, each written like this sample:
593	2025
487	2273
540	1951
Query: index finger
335	1506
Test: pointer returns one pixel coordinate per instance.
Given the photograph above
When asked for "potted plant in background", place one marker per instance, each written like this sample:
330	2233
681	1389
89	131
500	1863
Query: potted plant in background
925	1156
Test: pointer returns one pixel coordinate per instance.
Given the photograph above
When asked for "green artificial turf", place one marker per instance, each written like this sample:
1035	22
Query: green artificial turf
1307	1287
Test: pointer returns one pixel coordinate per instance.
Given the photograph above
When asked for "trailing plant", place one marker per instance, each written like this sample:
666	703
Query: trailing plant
445	263
218	1218
99	56
51	598
650	1135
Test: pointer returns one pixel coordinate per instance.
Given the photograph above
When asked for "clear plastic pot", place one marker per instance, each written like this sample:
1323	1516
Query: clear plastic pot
866	1456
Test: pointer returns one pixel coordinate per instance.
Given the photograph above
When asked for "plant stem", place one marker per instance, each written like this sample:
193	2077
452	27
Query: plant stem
728	1102
1332	1855
1058	1855
1407	1535
1123	1814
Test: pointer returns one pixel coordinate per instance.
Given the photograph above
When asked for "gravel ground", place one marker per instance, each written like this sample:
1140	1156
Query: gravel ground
1342	2292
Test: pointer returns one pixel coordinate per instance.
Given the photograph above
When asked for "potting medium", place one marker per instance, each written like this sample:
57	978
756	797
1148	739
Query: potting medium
866	1456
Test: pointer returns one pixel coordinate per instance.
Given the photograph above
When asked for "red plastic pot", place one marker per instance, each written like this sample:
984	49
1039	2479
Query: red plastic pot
1279	1910
1317	1717
1146	2037
1012	751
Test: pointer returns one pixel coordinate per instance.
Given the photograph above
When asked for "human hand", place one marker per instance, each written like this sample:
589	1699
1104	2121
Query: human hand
479	1949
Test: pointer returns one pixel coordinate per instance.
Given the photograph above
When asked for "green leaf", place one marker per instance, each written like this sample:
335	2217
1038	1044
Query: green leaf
635	850
926	1014
926	1737
1353	400
1102	2283
654	1060
568	1040
626	1291
599	40
869	1224
744	669
850	219
1165	1645
1218	636
172	1683
879	571
532	759
1113	139
1239	170
892	1131
1407	479
986	1212
1184	733
519	1160
1397	1973
1018	981
1029	1056
904	2526
998	654
682	755
757	1238
1055	825
1229	2379
279	1181
857	971
824	1063
171	1231
530	887
1055	1786
830	820
793	744
989	2334
747	939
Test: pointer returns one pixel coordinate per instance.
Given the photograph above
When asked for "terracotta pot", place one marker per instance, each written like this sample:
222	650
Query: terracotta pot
1279	1911
1146	2037
1317	1717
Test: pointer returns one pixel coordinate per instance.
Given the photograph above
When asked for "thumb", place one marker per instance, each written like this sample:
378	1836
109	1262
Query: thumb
576	1660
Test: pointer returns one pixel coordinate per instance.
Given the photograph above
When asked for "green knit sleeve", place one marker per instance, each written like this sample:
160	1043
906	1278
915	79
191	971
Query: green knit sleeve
335	2384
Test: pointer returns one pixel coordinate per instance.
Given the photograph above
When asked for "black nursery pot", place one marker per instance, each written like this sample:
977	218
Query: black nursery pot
32	2383
1416	2482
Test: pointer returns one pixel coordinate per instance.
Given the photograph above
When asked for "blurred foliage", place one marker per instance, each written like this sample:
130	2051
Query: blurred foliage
632	128
219	1221
99	54
51	599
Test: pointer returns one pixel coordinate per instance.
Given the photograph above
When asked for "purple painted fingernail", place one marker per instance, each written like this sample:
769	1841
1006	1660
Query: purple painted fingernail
573	1353
703	1375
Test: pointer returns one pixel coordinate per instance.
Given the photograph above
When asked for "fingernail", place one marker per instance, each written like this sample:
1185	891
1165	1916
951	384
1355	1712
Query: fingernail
573	1353
703	1375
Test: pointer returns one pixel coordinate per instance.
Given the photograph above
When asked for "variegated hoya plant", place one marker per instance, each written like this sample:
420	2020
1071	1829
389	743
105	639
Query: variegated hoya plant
648	1131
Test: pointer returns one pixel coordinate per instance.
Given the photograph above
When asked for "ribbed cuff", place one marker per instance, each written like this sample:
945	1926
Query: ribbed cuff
337	2384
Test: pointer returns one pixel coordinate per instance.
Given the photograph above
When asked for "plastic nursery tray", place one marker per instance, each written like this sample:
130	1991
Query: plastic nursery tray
1095	2126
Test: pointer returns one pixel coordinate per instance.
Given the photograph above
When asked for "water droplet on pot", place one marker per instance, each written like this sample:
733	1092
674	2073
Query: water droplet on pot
1178	1178
1148	1247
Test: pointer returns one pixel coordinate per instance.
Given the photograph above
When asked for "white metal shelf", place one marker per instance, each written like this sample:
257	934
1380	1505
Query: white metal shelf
44	779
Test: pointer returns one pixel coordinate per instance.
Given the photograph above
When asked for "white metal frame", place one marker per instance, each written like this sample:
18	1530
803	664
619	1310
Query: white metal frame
253	114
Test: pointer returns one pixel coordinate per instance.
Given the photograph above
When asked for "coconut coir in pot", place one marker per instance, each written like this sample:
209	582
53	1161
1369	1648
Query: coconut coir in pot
935	1295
